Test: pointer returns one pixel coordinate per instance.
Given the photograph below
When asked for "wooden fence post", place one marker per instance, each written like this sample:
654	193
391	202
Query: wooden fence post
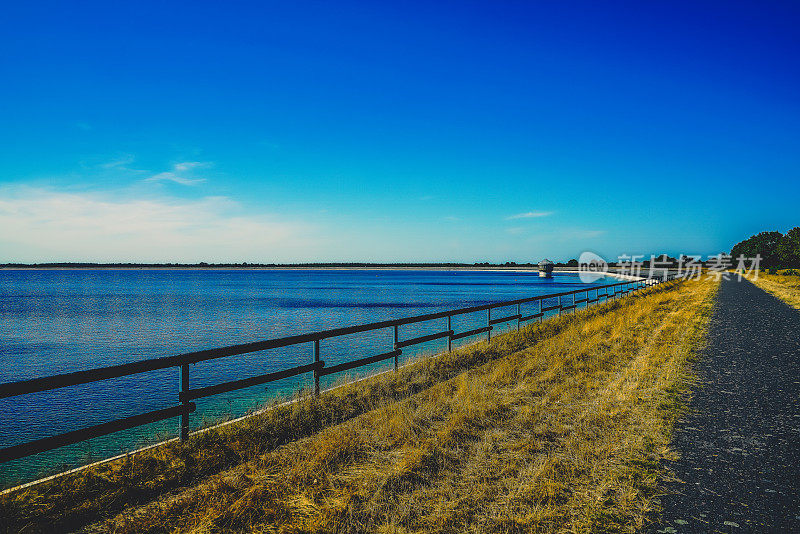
394	346
316	369
184	430
450	337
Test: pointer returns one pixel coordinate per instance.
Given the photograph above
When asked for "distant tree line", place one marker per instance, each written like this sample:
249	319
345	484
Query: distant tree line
777	250
246	265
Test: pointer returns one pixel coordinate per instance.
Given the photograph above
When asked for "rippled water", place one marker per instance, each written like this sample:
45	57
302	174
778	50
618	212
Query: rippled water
60	321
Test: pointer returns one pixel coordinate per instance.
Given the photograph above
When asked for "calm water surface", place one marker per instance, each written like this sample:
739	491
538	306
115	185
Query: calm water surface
60	321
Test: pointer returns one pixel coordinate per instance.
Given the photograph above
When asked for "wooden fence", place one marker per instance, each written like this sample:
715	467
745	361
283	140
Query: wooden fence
566	301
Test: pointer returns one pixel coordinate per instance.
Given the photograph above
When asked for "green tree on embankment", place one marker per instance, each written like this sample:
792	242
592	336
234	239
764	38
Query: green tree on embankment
776	250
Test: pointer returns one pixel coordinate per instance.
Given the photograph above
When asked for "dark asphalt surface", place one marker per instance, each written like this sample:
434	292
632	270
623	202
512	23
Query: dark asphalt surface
740	441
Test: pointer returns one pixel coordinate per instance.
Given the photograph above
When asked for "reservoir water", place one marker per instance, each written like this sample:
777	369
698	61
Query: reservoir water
56	321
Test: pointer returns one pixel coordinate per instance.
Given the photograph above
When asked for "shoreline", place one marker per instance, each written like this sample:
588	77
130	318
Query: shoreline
510	269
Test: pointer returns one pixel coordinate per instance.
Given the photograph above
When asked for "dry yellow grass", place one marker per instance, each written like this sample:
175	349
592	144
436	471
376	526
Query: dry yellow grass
785	287
72	500
557	428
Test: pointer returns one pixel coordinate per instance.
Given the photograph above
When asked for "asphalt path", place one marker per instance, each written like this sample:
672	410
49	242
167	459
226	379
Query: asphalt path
739	443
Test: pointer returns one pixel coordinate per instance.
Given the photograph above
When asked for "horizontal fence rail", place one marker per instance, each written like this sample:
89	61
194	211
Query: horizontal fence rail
182	361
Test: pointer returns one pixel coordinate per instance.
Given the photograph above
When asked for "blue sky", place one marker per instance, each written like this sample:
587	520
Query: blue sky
402	131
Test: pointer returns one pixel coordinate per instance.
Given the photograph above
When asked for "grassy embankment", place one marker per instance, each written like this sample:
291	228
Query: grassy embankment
558	427
784	286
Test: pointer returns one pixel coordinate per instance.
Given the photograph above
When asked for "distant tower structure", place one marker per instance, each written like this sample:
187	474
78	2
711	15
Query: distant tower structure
546	268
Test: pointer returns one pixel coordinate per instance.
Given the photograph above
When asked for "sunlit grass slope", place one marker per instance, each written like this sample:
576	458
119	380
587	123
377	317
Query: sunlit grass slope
784	286
558	427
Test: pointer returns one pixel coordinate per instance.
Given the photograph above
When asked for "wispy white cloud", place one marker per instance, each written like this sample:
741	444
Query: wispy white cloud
182	173
47	225
515	230
174	177
121	161
529	215
579	233
189	165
